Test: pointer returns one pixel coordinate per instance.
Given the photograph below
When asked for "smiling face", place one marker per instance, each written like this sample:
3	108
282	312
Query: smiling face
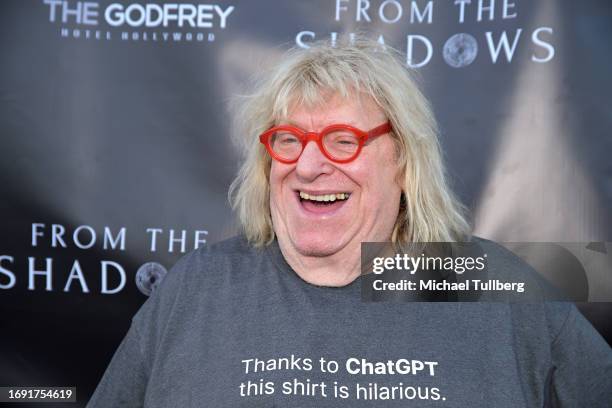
306	220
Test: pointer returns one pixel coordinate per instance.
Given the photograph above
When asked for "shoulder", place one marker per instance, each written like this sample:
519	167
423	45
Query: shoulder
542	305
502	258
503	264
201	269
233	255
202	274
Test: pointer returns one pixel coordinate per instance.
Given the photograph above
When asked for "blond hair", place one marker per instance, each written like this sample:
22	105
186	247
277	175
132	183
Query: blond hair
428	210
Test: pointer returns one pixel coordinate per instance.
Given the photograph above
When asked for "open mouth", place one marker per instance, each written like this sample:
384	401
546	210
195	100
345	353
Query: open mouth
322	203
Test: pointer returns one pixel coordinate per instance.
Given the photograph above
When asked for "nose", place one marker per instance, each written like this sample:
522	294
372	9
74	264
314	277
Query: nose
312	163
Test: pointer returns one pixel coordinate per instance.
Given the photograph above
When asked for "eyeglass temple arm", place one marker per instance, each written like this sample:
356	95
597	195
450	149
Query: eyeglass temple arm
380	130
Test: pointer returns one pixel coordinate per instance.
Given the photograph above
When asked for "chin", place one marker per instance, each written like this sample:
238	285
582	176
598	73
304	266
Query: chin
315	252
317	247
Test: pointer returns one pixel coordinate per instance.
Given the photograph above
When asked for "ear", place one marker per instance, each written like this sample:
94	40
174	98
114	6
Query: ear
400	176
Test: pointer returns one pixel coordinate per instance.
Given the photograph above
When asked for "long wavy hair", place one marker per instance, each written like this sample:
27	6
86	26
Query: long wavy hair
429	212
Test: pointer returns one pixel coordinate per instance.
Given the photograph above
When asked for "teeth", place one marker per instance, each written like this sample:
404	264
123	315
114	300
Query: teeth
324	197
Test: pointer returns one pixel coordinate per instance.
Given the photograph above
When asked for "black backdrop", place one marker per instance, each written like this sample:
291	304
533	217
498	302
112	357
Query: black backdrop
116	131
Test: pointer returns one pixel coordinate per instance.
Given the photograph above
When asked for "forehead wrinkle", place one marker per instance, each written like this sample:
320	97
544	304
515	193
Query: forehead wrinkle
328	102
317	119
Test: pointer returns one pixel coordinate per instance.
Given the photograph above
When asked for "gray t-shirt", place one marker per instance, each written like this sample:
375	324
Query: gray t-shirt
235	326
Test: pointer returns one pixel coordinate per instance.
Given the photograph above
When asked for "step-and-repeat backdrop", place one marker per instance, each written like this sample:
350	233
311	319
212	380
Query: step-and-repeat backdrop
116	121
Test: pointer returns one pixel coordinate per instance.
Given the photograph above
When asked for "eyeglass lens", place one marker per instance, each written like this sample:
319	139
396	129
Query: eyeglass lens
339	144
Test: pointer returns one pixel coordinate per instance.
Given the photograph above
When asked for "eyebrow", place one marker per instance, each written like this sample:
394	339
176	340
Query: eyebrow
292	123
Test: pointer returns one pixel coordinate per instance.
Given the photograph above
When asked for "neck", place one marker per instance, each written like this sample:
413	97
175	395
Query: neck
339	269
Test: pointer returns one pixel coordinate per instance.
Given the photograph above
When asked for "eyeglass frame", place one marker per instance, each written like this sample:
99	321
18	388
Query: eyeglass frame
317	137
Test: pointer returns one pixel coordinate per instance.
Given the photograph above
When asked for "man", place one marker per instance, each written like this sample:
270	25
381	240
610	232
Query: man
341	148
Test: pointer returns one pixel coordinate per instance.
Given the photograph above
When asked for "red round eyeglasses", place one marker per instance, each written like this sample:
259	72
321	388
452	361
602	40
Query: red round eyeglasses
339	143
